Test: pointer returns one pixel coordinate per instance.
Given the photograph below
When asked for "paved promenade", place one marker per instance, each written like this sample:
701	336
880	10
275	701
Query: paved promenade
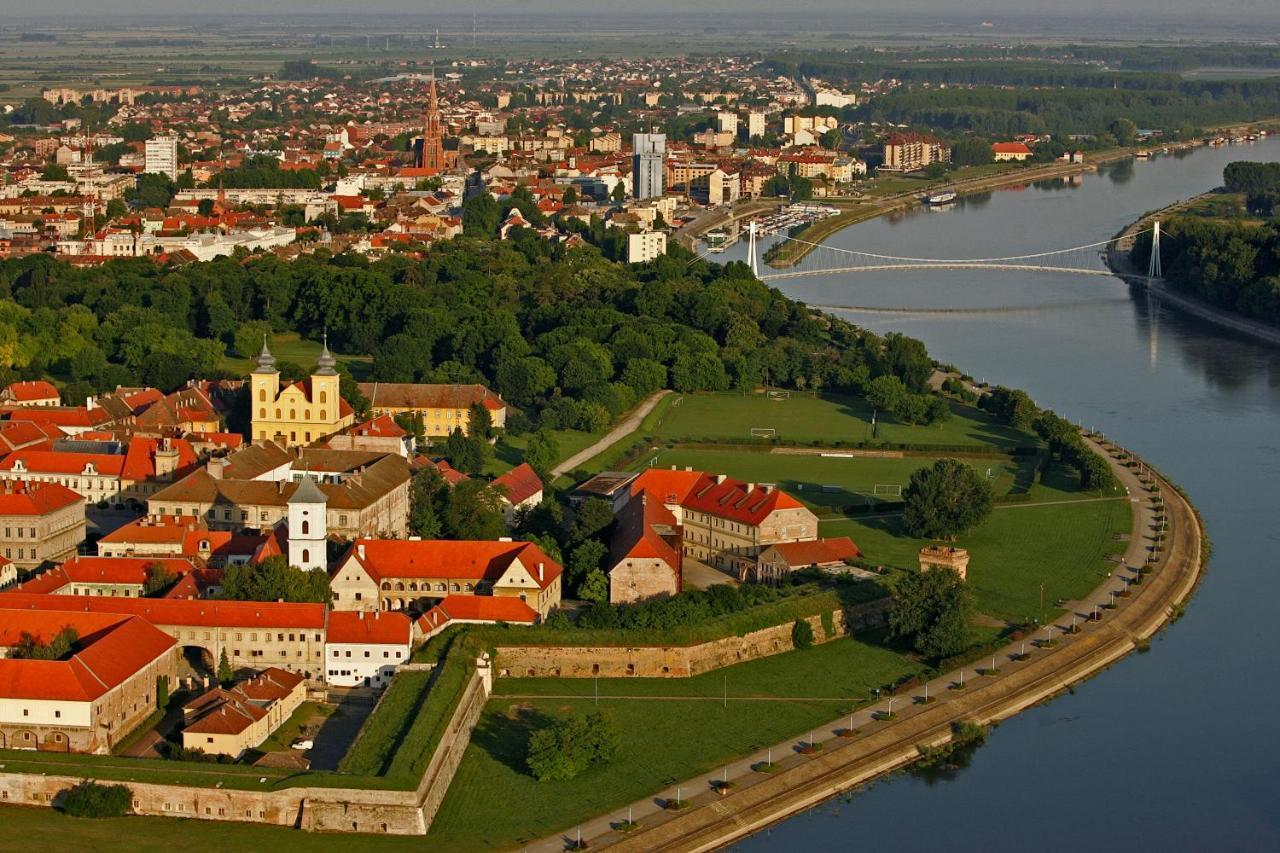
1101	636
625	427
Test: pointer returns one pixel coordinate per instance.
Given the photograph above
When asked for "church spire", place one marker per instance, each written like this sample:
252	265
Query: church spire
326	363
266	361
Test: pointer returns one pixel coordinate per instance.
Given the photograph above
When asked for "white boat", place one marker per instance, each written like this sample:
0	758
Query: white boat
944	197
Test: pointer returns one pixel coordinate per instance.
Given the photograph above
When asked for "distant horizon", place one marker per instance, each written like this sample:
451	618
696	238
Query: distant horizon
58	11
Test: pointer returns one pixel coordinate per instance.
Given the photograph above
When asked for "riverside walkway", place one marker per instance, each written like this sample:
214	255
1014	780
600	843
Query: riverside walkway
1088	638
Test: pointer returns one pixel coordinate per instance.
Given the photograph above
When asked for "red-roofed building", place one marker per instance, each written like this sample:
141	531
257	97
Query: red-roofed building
37	393
92	698
521	488
778	561
363	649
39	523
392	574
723	522
451	475
474	610
104	470
124	577
72	420
254	634
443	407
381	434
1003	151
645	556
230	721
180	536
25	435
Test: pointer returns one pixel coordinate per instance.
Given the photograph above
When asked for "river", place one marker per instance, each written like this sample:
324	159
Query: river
1171	750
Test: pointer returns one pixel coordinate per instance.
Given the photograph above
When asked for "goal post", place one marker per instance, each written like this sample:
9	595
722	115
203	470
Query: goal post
764	432
887	490
779	394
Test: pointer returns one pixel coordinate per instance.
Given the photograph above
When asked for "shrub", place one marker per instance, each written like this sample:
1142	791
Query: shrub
802	634
828	624
89	799
567	747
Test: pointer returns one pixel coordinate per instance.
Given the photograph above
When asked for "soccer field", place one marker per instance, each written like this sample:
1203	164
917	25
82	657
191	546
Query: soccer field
828	418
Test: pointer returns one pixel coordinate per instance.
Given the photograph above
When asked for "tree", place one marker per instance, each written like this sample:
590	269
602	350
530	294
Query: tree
592	516
474	511
944	500
481	216
585	558
594	587
567	747
802	634
542	452
225	674
274	580
932	610
158	579
55	172
467	453
619	194
886	393
481	423
153	190
424	496
570	197
205	207
1124	130
91	799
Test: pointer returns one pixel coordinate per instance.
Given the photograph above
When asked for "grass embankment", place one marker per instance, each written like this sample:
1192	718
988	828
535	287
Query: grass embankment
670	729
509	451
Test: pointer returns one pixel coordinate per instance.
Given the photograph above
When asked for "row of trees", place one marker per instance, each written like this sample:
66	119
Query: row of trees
1066	446
565	335
1260	183
1232	265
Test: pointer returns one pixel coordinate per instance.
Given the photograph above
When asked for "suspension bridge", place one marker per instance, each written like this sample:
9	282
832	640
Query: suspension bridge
1090	259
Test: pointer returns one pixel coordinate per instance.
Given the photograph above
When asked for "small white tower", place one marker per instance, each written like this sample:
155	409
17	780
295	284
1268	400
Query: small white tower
308	528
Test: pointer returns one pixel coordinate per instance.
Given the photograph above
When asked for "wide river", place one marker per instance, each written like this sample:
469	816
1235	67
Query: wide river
1176	749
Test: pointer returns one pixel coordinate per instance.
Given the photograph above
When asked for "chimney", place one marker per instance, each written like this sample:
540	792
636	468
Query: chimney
720	478
377	614
361	617
749	488
360	550
541	572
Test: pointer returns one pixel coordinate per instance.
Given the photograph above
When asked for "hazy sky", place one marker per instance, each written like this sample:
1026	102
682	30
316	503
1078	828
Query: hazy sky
1074	8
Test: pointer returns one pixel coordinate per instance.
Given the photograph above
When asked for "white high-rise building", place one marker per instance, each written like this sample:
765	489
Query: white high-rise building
755	125
648	165
162	156
727	122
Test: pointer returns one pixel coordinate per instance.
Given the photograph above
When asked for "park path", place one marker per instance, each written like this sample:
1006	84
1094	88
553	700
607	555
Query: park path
1084	639
628	425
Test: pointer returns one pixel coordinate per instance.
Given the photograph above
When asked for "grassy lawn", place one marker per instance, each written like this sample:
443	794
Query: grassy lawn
282	738
288	346
509	451
1064	546
827	418
661	738
823	481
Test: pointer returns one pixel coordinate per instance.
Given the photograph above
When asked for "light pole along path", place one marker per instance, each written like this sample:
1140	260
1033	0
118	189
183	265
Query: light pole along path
800	781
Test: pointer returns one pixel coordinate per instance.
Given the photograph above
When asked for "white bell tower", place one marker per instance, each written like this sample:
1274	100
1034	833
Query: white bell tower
308	528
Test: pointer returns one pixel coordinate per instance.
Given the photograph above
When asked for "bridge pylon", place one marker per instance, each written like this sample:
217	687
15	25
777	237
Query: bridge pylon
752	262
1153	265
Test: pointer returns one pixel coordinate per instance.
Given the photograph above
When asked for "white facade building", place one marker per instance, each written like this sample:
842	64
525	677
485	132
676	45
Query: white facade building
308	530
646	246
363	649
162	156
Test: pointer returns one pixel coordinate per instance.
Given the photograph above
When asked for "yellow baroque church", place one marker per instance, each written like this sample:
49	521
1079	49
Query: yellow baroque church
302	412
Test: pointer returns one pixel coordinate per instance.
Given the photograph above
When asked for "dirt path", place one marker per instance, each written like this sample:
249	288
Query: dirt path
628	425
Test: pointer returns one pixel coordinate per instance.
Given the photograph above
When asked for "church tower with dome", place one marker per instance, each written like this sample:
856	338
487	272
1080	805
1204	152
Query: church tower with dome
300	413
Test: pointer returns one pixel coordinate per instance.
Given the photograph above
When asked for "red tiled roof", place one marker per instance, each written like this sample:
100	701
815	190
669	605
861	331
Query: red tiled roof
64	462
477	608
818	551
404	395
111	649
216	614
1010	148
22	498
65	416
35	390
723	497
519	484
376	628
383	426
469	559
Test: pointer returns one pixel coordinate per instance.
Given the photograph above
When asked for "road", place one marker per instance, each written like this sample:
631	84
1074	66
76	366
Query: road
625	427
1080	646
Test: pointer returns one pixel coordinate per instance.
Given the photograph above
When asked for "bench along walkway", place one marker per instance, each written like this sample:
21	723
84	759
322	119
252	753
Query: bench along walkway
1057	658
